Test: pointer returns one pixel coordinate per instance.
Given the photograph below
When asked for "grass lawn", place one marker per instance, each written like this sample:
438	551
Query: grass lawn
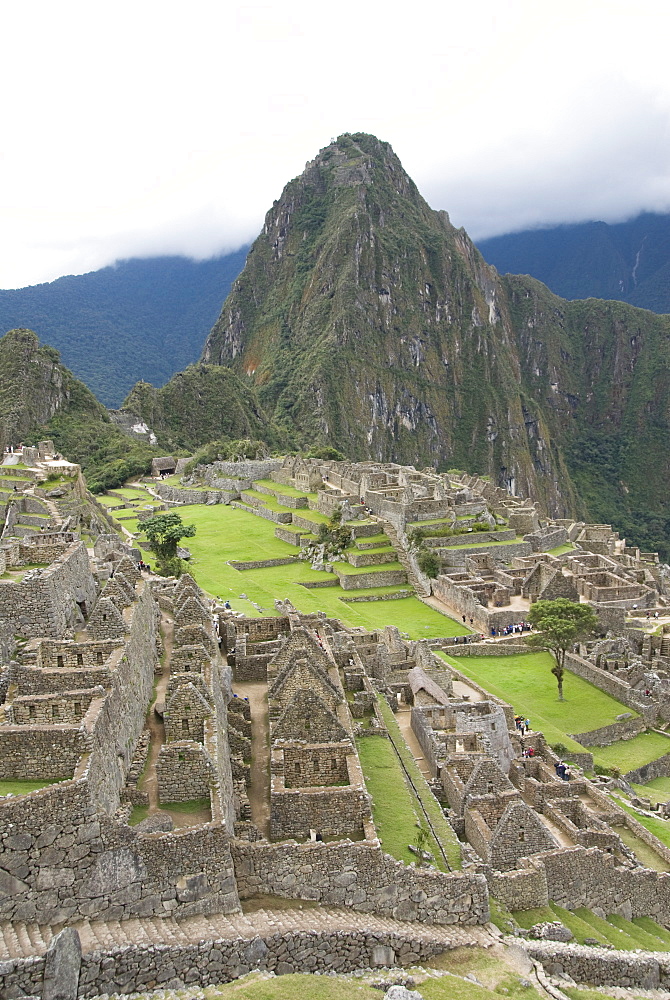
560	549
287	491
134	493
350	570
651	793
659	827
227	533
294	987
393	806
431	806
645	854
24	787
659	786
628	755
191	806
526	682
480	545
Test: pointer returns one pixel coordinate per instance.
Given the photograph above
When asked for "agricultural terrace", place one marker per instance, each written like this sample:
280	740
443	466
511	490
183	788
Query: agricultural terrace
227	534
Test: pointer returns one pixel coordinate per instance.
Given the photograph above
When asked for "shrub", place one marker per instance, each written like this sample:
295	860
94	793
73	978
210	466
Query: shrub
429	562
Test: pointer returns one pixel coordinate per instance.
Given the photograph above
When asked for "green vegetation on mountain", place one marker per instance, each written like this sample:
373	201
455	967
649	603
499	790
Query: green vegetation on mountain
138	319
41	399
628	260
366	322
204	403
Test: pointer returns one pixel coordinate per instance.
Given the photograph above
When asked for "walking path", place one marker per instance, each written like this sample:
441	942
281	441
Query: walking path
154	723
259	786
22	940
404	717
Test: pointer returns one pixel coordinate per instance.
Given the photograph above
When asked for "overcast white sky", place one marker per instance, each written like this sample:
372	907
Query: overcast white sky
143	127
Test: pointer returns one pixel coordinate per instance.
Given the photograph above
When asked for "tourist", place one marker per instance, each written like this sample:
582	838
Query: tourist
527	724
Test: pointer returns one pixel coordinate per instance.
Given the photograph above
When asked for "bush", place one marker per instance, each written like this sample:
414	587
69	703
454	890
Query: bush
560	749
429	562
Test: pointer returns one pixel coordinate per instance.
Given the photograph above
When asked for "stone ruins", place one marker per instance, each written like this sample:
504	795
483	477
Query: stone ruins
126	697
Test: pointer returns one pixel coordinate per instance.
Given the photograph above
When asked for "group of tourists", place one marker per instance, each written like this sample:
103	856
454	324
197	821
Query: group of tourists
522	725
512	629
562	770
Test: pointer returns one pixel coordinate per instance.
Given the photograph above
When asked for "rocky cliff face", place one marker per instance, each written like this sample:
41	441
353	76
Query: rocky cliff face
366	320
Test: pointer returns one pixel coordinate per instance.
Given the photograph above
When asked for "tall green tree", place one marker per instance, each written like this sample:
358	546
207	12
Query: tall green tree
560	623
165	531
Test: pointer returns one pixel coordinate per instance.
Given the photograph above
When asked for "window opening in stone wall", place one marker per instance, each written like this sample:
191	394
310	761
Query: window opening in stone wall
522	836
59	661
31	711
55	712
184	725
98	657
80	659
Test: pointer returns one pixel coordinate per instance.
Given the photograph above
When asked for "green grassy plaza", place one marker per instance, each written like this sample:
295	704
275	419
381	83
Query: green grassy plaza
526	682
226	533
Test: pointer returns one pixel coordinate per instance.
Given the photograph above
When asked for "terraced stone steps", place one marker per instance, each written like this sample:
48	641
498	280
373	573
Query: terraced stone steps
404	560
24	940
615	931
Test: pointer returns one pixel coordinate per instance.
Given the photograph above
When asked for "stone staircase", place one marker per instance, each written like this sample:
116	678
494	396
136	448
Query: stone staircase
23	940
404	560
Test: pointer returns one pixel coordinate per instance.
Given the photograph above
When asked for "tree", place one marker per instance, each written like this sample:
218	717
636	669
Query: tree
429	562
165	531
560	623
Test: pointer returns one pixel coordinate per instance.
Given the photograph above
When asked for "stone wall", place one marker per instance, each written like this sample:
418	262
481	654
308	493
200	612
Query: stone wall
600	967
252	668
360	876
659	768
611	685
519	889
589	877
178	494
247	468
146	967
333	811
64	861
34	680
384	578
47	604
455	557
278	516
602	737
184	772
41	753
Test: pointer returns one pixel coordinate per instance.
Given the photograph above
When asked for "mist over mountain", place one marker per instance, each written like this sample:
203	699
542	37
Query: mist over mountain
366	321
141	319
629	261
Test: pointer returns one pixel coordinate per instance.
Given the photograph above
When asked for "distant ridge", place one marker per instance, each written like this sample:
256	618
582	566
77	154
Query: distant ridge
138	320
629	261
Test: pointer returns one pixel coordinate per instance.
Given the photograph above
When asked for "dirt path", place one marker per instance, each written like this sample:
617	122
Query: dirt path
259	787
404	717
560	835
154	722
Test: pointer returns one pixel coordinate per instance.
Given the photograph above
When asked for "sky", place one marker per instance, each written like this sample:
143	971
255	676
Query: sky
144	128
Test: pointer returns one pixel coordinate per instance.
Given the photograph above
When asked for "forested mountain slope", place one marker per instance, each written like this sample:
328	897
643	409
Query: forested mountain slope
629	261
140	319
